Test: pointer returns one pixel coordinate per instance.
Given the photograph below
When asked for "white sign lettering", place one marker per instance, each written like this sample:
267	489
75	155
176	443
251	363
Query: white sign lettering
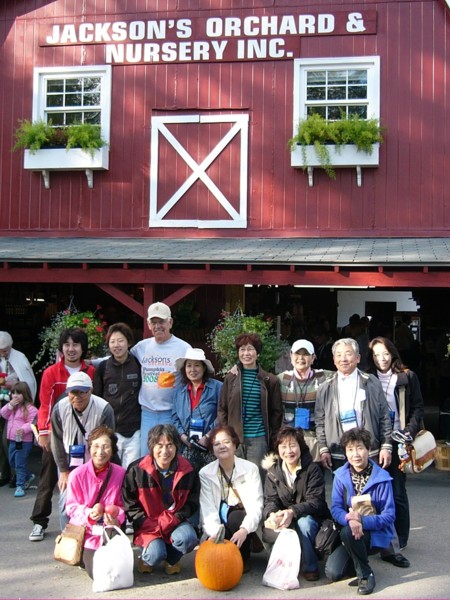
228	38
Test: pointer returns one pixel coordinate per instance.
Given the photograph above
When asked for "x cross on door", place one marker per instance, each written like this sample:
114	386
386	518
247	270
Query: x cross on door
199	171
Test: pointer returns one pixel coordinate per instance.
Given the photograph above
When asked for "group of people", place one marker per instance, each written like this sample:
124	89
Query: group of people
149	440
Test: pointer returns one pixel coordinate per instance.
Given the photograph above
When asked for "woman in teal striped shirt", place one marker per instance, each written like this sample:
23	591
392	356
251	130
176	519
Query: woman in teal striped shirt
250	401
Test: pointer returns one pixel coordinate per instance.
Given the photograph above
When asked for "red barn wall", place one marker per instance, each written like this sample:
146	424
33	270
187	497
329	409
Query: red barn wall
405	196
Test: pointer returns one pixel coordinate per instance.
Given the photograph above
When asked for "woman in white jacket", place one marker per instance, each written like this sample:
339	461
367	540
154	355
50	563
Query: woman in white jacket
231	492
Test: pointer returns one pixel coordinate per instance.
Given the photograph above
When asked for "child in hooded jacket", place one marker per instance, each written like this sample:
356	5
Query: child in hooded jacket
20	414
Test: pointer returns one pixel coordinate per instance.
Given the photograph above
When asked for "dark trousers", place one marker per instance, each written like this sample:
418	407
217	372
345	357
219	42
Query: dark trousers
48	478
234	521
402	520
358	551
5	469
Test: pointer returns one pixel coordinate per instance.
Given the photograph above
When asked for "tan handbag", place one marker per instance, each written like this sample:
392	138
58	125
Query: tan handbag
69	544
421	453
422	450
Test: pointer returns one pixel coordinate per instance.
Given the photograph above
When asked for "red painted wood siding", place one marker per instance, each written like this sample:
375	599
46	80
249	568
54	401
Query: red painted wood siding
406	195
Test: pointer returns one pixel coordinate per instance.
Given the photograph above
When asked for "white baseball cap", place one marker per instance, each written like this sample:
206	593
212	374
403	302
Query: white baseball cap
159	310
302	345
79	381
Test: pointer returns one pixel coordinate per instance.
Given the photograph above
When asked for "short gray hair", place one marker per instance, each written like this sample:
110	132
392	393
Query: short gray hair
6	340
346	342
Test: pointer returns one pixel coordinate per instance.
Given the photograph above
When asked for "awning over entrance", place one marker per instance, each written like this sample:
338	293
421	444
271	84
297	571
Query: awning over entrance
299	252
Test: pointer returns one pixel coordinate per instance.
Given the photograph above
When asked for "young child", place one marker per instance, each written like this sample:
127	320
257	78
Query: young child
20	414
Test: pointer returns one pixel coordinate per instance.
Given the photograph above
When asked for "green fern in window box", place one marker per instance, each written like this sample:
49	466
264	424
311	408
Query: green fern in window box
33	136
320	133
86	136
39	135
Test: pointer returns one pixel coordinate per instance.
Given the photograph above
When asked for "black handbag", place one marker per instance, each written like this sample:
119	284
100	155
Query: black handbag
327	538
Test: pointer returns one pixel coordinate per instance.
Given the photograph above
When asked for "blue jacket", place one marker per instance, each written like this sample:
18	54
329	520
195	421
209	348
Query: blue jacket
206	408
379	486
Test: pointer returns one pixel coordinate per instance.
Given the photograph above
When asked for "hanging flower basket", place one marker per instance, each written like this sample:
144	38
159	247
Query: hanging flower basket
221	339
70	318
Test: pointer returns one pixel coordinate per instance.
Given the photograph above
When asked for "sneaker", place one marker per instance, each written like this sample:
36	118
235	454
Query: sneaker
172	569
37	533
19	493
129	529
31	477
143	567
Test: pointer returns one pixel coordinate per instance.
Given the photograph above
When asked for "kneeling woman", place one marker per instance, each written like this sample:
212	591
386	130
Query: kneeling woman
160	495
230	492
294	495
94	492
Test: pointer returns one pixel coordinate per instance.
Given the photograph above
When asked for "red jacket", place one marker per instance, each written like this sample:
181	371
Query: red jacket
142	499
53	386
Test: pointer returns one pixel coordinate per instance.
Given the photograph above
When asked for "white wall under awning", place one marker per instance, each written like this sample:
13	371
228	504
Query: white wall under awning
353	301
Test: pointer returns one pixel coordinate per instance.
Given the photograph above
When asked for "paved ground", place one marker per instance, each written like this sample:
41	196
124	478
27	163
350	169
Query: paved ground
27	570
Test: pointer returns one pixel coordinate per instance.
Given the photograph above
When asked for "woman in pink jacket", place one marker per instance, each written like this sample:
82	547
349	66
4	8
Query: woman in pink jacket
20	414
85	505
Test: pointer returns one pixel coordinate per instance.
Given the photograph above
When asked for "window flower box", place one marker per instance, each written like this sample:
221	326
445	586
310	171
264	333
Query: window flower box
60	159
348	155
346	142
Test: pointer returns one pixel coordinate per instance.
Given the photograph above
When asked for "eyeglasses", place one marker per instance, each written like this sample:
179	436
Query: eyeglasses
101	447
288	446
218	444
78	393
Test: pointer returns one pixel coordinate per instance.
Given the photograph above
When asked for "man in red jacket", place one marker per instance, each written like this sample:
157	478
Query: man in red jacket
161	499
73	345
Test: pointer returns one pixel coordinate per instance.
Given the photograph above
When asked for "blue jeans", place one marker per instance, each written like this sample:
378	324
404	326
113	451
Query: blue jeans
18	460
307	528
63	518
148	420
183	538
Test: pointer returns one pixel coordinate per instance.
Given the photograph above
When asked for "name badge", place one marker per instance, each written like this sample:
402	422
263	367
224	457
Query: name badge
76	455
302	417
97	529
348	419
197	427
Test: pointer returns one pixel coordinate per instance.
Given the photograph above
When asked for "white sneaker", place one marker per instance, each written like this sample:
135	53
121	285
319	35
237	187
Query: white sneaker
37	533
31	478
129	529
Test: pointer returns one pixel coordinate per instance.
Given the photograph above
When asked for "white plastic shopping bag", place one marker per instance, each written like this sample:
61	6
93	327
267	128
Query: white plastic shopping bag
113	564
284	562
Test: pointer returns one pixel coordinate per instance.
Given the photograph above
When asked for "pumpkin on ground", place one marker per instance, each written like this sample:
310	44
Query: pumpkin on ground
218	563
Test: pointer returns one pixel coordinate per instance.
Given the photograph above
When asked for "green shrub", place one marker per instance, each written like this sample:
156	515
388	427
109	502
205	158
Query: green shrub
221	339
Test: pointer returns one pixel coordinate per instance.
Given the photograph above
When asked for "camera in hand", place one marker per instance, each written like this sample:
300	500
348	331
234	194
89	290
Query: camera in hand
194	440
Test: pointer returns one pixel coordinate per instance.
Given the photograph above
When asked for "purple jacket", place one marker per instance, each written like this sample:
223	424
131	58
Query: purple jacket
82	489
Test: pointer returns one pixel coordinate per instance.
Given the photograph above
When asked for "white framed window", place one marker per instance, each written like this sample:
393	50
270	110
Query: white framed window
66	95
334	87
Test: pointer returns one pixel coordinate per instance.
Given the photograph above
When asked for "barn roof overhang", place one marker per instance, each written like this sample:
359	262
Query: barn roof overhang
332	262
